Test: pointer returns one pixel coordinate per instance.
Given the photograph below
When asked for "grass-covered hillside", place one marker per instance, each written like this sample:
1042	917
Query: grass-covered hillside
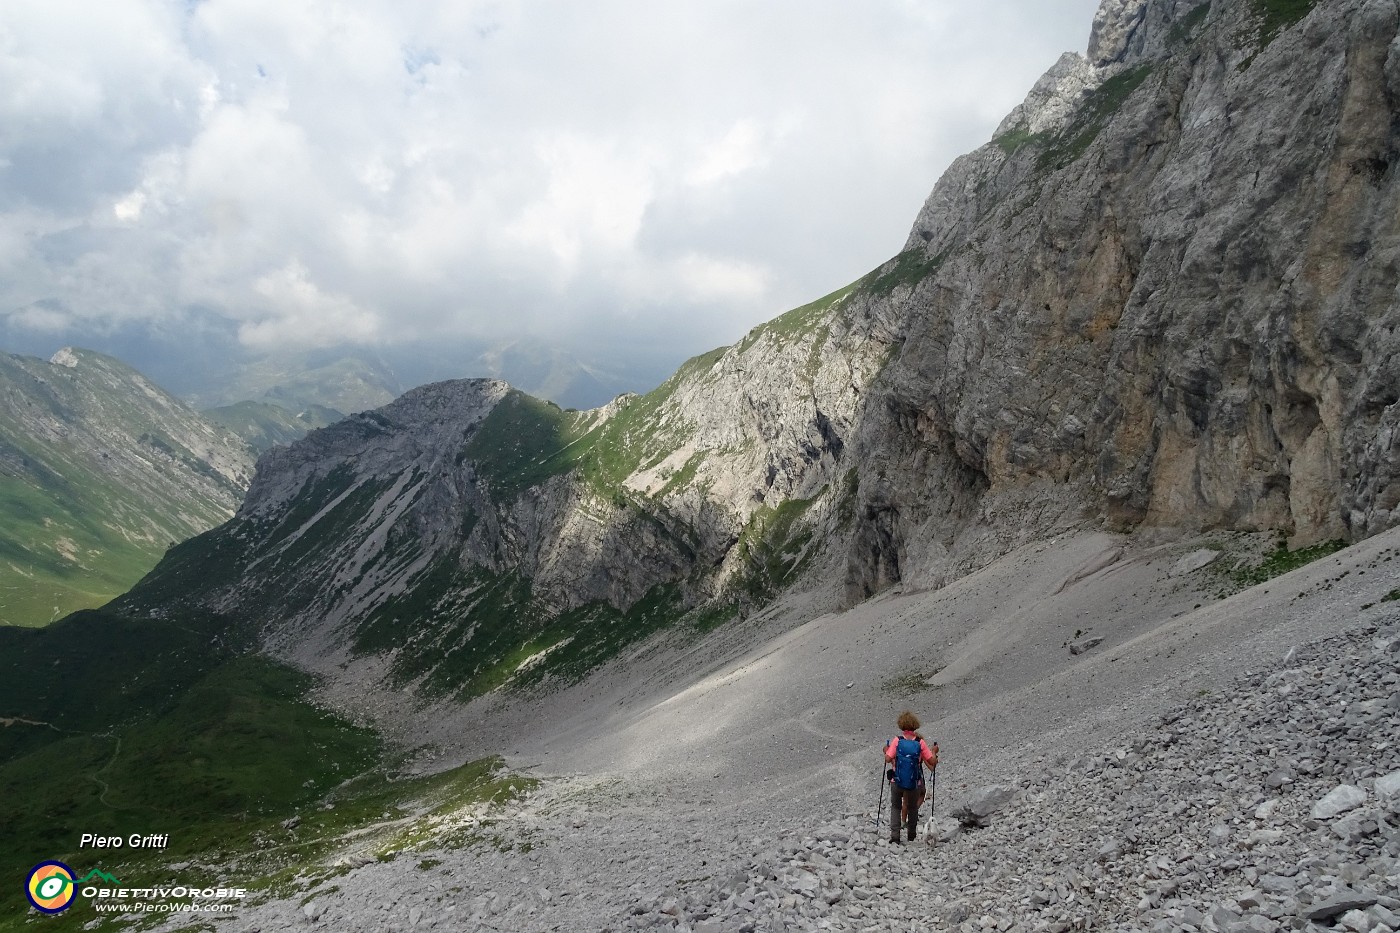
264	425
117	725
100	472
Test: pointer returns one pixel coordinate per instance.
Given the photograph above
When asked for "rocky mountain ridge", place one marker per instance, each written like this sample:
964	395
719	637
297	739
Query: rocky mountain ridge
1163	295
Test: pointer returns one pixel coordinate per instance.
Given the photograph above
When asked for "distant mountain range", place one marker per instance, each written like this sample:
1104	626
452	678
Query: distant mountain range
301	384
549	372
100	472
265	425
297	382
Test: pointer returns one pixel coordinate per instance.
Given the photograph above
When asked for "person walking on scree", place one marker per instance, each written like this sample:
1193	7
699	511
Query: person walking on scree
909	754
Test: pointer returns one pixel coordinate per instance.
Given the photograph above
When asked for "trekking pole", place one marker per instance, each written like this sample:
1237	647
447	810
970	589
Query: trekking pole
880	809
932	802
918	811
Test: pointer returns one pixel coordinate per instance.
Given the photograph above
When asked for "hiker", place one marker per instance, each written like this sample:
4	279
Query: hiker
909	754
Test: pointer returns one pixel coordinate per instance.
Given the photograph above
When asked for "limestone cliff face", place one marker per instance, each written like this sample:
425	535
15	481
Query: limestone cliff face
1176	305
1165	293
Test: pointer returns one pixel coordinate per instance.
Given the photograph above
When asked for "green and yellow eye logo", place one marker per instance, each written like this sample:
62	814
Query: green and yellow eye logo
50	887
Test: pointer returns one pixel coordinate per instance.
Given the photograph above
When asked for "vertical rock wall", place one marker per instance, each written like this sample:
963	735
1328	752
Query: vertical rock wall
1175	305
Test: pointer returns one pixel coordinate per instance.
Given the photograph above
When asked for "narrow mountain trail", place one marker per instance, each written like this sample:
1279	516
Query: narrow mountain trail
96	777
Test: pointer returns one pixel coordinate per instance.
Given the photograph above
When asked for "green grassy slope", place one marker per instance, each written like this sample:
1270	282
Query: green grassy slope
119	726
525	441
265	425
59	549
100	472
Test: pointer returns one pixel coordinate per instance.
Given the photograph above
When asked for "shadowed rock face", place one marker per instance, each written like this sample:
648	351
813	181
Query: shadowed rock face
1164	294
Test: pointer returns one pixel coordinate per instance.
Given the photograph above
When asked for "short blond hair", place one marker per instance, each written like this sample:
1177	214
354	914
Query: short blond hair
908	721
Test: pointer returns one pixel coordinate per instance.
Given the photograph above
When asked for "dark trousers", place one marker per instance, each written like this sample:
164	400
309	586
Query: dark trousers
907	800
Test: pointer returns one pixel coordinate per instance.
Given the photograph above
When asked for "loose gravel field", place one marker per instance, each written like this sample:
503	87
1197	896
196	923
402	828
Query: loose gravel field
1211	764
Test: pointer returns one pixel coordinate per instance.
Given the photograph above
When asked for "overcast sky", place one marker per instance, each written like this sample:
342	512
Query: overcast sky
642	179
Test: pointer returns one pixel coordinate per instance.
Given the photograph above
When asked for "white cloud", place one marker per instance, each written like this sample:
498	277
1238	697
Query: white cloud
307	172
729	280
40	320
591	197
129	208
298	314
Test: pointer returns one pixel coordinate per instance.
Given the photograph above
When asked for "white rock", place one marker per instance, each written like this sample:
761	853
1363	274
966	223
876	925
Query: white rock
1388	786
1193	562
1114	25
1352	827
1340	800
1356	920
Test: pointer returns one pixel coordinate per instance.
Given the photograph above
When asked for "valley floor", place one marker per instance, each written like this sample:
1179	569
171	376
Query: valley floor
1164	778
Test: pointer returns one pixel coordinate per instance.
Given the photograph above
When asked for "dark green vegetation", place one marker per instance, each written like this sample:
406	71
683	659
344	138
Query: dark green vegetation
1093	115
1055	151
1274	16
1184	29
1281	560
466	629
849	497
522	443
1391	597
1014	140
120	726
775	548
468	632
525	441
237	746
906	270
1277	15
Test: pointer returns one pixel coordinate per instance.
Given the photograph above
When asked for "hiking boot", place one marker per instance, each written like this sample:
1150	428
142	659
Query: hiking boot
894	840
912	834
